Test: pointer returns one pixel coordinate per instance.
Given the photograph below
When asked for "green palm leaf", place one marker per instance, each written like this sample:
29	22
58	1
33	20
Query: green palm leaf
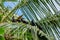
43	12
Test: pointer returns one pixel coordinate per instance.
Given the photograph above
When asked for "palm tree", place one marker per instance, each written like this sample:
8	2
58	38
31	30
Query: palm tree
43	13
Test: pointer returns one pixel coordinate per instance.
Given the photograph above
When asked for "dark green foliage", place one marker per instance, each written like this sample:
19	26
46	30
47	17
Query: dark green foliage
1	30
0	16
1	38
29	35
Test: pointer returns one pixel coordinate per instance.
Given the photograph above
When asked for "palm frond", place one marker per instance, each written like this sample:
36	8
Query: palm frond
43	12
21	31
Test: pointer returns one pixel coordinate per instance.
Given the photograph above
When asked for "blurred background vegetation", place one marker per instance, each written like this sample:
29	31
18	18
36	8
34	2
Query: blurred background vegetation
43	17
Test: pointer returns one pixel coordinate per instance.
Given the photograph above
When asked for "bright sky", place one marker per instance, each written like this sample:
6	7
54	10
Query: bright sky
11	5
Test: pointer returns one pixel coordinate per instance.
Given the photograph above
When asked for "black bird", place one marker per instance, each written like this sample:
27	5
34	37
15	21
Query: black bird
19	19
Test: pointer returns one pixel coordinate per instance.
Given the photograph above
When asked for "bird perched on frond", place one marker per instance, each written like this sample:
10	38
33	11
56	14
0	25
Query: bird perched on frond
19	19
